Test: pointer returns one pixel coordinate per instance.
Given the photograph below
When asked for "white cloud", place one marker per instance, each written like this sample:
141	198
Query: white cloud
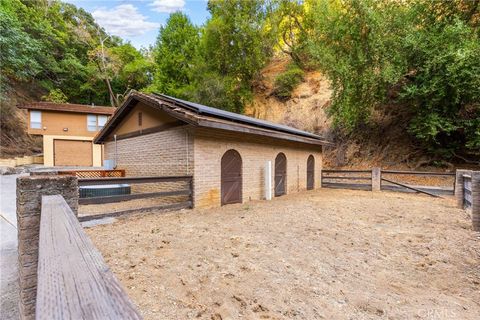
123	20
167	6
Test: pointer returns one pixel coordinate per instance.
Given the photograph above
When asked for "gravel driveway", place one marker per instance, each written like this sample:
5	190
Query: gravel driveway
324	254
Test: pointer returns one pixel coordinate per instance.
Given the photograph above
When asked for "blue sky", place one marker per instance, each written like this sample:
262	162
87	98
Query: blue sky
138	21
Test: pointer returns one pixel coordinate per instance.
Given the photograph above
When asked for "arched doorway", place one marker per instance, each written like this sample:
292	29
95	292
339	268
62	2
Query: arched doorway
310	172
280	174
231	177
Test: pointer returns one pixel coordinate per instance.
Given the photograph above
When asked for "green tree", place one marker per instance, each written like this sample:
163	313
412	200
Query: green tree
443	86
55	95
174	55
54	45
357	45
235	45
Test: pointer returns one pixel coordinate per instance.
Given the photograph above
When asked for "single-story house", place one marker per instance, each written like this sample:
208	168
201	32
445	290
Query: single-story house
68	131
226	153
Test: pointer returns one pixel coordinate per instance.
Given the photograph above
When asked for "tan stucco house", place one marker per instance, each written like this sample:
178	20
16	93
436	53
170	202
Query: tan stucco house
68	131
228	155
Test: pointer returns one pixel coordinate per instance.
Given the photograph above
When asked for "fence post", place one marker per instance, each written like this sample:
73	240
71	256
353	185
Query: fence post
29	194
459	191
376	178
476	200
459	187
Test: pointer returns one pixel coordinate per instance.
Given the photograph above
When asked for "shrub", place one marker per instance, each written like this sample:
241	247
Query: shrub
287	81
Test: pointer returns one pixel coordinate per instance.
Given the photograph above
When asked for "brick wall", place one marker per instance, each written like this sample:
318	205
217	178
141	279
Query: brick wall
209	147
184	150
29	194
164	153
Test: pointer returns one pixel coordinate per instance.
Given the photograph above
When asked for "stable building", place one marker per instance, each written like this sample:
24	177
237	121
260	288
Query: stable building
68	131
231	157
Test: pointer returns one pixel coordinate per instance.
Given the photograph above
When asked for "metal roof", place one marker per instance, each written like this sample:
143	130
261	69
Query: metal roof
231	116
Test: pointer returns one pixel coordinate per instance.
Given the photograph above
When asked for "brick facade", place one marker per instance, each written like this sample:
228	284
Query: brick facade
210	145
164	153
198	152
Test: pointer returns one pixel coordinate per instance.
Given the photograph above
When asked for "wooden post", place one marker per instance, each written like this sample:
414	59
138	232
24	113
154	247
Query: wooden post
476	200
376	178
459	192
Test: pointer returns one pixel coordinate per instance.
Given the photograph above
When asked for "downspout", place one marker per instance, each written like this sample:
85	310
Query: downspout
186	146
116	155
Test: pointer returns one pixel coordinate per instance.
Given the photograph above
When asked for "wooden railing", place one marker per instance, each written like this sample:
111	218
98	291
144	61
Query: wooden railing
347	179
93	173
74	281
390	181
155	189
393	180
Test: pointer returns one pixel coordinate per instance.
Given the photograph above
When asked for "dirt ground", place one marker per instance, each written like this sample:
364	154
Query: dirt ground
324	254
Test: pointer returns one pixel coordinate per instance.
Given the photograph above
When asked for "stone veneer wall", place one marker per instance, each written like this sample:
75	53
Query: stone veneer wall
210	145
29	195
164	153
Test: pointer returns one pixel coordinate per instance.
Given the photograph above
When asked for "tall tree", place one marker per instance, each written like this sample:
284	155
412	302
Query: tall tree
235	45
174	55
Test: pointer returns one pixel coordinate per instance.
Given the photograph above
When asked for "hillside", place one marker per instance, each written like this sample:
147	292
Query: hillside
384	142
13	136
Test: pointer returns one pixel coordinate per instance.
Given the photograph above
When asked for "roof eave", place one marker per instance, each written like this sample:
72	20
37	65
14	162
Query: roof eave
261	132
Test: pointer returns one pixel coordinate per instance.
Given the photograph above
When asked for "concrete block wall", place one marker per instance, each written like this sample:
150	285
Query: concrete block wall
209	147
164	153
29	194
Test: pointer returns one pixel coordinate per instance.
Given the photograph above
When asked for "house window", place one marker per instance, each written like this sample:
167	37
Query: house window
139	119
35	119
91	122
101	120
96	122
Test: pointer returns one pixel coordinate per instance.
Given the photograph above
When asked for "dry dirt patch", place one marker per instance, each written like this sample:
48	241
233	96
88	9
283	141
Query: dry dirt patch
324	254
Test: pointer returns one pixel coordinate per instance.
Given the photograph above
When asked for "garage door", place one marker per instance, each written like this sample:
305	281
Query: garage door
72	153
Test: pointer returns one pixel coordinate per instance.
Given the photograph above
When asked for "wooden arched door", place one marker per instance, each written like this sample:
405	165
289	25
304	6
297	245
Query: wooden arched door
231	177
310	172
280	174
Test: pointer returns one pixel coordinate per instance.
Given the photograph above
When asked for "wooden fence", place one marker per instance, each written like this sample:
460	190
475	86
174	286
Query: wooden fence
347	179
159	193
467	191
393	180
93	173
74	281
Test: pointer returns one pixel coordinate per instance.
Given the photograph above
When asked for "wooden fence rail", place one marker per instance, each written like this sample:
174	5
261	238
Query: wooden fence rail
347	179
74	282
132	180
377	179
166	193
